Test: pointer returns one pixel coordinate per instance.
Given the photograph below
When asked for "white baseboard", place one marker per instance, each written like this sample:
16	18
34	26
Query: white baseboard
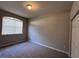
51	48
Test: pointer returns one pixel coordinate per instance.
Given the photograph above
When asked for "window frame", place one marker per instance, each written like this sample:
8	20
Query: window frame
13	33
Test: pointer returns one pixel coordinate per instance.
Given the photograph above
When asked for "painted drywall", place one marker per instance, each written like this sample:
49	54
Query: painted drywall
74	9
15	38
75	38
51	30
75	32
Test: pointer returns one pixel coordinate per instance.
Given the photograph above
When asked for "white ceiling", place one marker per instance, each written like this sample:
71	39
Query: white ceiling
38	7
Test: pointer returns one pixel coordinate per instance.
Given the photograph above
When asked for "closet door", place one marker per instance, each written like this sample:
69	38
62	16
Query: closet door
75	38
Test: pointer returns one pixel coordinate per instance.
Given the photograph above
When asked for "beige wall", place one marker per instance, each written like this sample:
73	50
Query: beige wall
75	8
51	30
75	38
75	30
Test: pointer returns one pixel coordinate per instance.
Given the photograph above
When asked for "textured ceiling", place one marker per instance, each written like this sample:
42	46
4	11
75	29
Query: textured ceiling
38	7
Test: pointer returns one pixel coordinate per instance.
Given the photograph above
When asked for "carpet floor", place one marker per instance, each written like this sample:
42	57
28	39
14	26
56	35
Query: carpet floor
29	50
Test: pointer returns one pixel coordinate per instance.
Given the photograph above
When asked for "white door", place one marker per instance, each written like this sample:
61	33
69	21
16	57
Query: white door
75	38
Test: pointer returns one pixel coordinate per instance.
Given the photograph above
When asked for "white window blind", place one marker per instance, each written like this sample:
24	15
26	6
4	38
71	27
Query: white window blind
11	25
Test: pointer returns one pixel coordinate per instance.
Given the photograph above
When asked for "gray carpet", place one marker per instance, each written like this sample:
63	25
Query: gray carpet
29	50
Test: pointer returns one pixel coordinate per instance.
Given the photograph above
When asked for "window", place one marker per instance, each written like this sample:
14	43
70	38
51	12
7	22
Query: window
11	25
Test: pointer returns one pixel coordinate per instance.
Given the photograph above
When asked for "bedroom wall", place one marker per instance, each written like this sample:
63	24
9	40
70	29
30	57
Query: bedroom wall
75	38
51	30
11	39
75	8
